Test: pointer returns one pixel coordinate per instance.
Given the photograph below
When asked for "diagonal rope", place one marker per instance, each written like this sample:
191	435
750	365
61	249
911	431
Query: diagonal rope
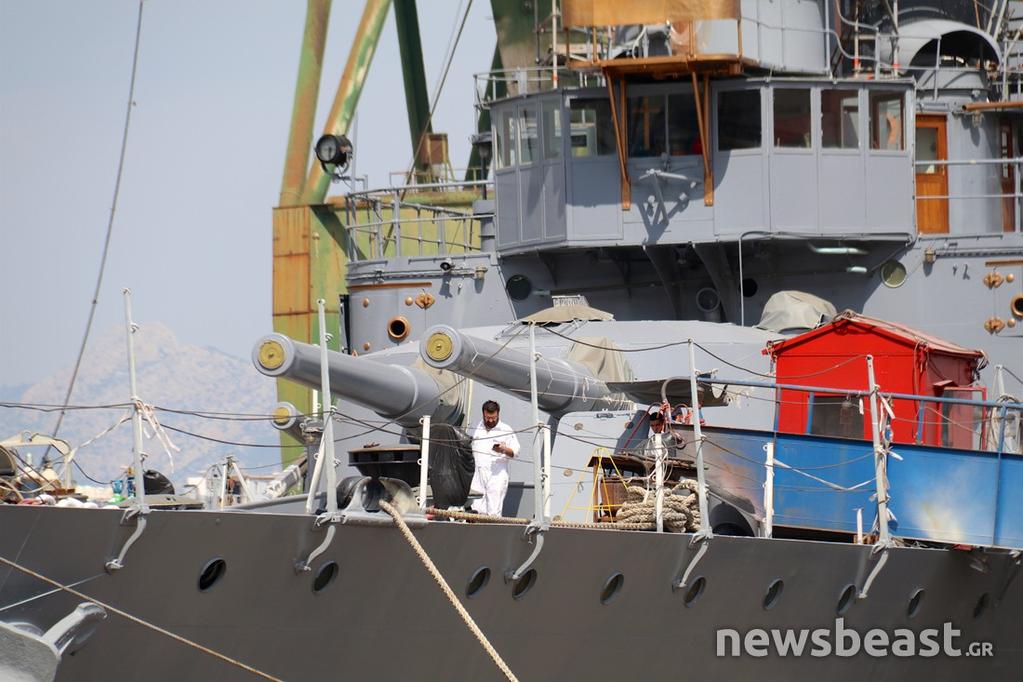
448	592
110	225
437	93
139	621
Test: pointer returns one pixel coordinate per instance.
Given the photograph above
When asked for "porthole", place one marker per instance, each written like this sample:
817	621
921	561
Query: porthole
749	287
695	591
773	594
478	581
846	599
611	588
1016	305
325	576
707	299
518	287
913	607
212	572
398	328
893	274
982	605
524	584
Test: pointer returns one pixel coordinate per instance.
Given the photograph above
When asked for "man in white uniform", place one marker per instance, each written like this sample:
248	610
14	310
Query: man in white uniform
493	444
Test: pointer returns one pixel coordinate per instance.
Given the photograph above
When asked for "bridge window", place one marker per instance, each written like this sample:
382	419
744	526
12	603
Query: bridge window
591	128
683	128
840	119
529	138
738	119
792	118
648	122
507	140
663	124
886	114
551	113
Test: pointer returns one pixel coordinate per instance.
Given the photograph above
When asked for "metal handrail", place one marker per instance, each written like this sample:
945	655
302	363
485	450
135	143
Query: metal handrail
463	239
1017	189
453	185
525	77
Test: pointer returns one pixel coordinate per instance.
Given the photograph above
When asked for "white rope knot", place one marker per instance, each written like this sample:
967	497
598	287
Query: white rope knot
158	432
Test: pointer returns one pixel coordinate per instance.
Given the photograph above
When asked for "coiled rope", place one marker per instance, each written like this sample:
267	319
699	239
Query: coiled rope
680	514
448	592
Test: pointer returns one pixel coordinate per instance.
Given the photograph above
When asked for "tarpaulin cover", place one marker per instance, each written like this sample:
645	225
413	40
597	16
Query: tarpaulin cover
451	465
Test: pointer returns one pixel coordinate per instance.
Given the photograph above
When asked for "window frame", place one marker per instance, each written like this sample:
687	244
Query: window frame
557	104
716	93
536	156
861	143
503	148
813	143
904	118
586	96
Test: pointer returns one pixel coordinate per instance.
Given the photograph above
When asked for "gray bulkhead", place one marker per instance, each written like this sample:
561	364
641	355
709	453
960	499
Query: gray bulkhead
564	190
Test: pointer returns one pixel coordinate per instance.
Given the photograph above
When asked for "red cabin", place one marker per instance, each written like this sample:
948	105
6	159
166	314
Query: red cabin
833	357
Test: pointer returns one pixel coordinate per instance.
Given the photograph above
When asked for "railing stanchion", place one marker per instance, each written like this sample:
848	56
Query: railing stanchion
1015	196
538	527
424	461
884	541
703	535
768	490
701	476
659	482
547	466
880	457
396	222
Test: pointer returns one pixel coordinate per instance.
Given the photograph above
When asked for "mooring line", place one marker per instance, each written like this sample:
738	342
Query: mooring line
139	621
452	597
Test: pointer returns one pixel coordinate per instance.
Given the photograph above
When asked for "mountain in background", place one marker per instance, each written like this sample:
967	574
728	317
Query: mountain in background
170	375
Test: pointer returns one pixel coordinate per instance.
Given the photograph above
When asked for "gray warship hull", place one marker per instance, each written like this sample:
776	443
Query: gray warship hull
383	617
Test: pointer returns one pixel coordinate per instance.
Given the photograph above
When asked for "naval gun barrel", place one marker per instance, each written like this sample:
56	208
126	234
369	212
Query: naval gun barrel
403	394
562	385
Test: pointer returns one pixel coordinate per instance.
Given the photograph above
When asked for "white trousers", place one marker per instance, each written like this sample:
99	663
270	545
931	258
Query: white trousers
494	487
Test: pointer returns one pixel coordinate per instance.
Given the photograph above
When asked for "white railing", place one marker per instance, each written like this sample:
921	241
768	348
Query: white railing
399	221
1014	164
527	81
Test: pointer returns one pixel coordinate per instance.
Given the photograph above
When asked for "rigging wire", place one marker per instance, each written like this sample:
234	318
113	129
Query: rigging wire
44	407
437	93
110	222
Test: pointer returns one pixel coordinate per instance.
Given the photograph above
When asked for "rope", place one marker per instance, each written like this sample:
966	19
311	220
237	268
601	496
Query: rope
448	592
471	516
484	518
139	621
110	224
47	593
159	434
437	92
680	514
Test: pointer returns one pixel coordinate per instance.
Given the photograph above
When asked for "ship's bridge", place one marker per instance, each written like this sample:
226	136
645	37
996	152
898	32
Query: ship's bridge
808	155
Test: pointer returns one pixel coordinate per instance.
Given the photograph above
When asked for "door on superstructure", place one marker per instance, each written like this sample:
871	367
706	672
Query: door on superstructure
931	175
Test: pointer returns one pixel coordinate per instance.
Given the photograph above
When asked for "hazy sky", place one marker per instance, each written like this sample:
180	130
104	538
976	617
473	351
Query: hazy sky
192	235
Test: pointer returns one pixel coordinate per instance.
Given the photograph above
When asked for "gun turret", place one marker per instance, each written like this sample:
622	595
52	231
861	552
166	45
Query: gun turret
562	385
403	394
